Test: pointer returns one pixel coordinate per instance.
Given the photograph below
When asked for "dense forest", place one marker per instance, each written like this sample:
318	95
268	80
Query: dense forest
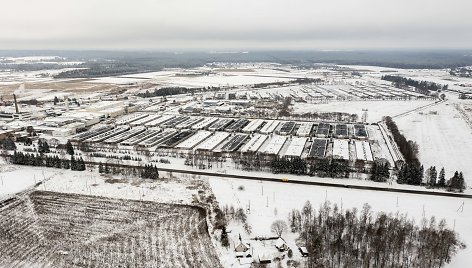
337	237
168	91
423	87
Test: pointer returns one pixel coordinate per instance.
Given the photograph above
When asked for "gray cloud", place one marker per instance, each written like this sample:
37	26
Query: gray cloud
235	24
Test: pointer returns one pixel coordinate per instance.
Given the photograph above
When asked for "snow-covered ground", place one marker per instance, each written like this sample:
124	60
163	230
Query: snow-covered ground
376	109
270	201
14	179
444	139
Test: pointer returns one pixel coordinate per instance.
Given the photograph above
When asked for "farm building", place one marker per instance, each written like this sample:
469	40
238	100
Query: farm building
156	122
296	146
175	121
275	145
318	148
234	143
189	123
286	128
125	135
360	132
254	125
176	139
322	130
341	131
133	140
270	126
193	141
144	120
363	151
213	141
91	133
204	123
157	139
237	125
340	149
305	129
221	124
254	143
106	135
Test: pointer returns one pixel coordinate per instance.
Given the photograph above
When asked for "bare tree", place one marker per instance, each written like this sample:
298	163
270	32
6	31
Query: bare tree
278	227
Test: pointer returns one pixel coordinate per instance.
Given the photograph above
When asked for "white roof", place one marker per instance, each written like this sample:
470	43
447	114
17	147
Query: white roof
363	151
205	123
341	149
270	126
280	242
213	141
254	143
158	121
253	125
296	147
305	129
275	144
145	120
130	118
194	140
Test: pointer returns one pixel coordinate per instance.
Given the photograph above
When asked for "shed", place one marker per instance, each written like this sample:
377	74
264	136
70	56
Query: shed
303	251
281	245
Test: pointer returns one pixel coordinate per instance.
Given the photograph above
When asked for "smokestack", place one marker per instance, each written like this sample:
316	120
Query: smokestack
16	104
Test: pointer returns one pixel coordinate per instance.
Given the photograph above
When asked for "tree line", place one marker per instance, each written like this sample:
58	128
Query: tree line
335	237
423	87
167	91
40	160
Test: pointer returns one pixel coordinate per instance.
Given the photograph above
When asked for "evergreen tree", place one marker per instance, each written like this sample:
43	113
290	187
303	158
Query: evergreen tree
73	163
442	178
65	164
8	144
461	182
100	168
432	176
69	148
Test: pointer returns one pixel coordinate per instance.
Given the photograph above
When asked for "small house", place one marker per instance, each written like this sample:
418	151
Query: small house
303	251
264	258
281	245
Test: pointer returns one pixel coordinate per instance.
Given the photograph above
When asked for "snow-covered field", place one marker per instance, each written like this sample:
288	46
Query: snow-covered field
444	139
270	201
14	179
376	109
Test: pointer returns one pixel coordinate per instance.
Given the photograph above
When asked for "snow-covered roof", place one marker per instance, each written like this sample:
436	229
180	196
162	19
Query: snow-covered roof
213	141
275	144
305	129
253	125
363	151
159	121
297	144
254	143
341	149
280	242
194	140
144	120
205	123
270	126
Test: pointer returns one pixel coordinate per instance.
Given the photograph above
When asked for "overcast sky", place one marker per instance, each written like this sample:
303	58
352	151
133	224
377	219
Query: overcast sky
235	24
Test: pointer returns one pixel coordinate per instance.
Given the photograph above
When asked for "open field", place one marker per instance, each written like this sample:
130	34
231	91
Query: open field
46	229
443	138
